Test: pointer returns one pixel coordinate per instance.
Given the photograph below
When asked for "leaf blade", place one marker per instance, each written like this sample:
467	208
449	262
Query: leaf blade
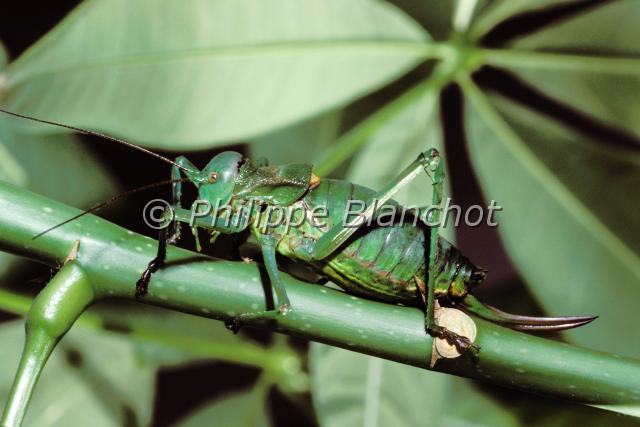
236	93
244	408
556	272
35	162
352	389
590	62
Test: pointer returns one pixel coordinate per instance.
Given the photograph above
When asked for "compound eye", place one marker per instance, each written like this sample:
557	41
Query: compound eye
213	177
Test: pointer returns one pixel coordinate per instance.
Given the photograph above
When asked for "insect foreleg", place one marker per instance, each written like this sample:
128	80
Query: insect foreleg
142	285
268	243
168	234
177	214
176	195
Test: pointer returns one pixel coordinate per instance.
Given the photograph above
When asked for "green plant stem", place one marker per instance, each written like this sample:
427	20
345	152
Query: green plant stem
51	315
14	303
113	258
37	349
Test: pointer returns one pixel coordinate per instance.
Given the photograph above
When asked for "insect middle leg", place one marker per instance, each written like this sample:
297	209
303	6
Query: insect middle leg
268	244
177	214
430	163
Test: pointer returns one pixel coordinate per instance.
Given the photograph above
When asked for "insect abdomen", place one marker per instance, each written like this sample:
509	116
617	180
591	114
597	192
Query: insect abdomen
379	262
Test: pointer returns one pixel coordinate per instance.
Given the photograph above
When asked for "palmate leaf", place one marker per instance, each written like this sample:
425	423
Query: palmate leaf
382	156
245	67
571	248
581	248
585	74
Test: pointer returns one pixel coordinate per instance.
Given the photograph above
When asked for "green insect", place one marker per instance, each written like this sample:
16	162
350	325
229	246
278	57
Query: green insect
405	261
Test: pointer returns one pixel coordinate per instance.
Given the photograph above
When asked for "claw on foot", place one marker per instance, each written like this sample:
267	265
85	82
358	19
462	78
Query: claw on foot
284	309
455	333
461	343
141	288
233	325
142	285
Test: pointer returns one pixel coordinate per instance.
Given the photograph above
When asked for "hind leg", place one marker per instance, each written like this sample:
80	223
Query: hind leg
433	167
430	163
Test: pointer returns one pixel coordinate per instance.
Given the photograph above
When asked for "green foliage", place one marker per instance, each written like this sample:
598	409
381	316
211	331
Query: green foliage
167	81
102	378
36	161
576	182
352	389
245	408
610	97
396	144
298	143
284	78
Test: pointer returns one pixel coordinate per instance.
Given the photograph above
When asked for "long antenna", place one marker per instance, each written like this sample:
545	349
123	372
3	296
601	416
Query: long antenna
98	134
110	201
